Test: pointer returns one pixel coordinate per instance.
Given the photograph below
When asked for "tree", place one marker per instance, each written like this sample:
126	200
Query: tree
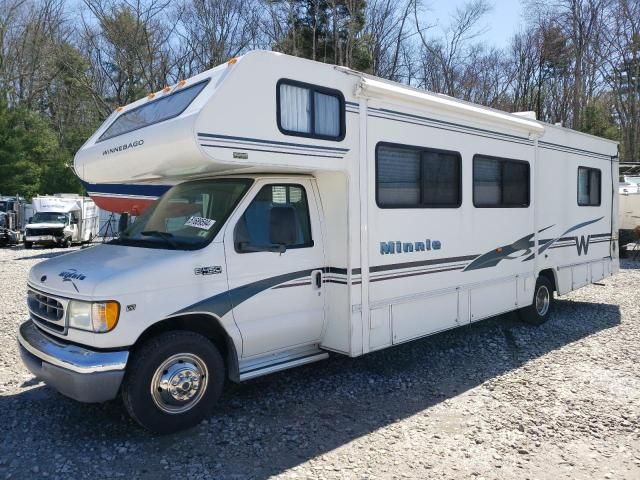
621	70
329	31
445	59
213	31
31	160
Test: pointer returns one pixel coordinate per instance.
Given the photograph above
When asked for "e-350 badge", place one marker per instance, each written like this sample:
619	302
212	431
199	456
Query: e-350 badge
214	270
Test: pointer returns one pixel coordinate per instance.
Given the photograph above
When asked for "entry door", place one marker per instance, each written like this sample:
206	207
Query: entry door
275	263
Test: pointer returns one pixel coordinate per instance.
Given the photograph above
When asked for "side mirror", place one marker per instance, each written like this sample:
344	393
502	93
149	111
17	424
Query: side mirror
74	221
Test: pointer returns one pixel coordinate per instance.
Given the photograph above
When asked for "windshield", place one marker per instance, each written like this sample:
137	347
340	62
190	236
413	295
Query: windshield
50	217
187	217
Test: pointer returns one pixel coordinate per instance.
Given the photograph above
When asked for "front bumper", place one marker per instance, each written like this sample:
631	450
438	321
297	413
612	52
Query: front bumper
43	239
76	372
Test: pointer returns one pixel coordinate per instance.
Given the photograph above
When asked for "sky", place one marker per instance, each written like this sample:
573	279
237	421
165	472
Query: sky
504	20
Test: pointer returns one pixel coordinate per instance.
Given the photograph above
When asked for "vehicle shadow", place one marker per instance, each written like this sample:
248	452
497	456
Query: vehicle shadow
48	253
271	424
630	263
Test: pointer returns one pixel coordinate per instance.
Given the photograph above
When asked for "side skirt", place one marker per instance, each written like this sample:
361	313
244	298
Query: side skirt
265	364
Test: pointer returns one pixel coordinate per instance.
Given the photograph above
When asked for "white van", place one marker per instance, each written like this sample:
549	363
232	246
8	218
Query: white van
61	220
310	209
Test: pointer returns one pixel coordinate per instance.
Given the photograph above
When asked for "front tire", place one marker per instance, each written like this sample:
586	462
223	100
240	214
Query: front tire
66	243
28	245
173	381
538	312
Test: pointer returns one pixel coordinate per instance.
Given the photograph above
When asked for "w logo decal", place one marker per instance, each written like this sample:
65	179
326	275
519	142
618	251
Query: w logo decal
582	244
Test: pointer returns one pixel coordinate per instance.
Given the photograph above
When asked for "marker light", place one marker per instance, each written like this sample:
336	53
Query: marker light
181	83
119	109
104	316
166	89
232	61
151	95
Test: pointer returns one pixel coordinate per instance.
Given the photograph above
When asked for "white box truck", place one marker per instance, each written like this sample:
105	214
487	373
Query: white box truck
61	220
309	209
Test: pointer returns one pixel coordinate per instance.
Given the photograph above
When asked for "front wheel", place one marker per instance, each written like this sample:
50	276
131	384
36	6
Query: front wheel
28	245
538	312
173	381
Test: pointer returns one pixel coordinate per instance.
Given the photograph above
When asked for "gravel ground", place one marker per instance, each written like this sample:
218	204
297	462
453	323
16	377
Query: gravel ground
497	399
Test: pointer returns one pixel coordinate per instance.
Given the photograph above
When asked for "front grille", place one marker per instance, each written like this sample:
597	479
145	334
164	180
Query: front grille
47	311
37	232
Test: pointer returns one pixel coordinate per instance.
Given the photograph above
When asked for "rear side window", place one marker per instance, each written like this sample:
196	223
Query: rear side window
279	214
310	111
589	187
156	111
500	183
414	177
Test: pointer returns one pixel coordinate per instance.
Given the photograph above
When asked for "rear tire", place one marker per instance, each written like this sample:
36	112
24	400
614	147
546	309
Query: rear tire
28	245
173	381
538	312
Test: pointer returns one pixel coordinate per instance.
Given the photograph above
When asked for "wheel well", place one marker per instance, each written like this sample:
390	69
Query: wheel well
549	275
207	326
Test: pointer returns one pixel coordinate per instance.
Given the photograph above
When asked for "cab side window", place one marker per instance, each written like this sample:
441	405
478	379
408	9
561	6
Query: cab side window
276	219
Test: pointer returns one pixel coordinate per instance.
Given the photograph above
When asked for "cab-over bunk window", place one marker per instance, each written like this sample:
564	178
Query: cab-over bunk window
417	177
167	106
500	182
306	110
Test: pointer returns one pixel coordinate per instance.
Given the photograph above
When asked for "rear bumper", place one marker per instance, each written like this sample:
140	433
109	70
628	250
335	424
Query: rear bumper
76	372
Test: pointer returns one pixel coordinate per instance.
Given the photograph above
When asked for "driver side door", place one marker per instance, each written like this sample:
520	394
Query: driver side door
275	259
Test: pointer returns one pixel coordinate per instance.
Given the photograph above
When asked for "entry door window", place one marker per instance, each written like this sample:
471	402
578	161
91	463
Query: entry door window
277	216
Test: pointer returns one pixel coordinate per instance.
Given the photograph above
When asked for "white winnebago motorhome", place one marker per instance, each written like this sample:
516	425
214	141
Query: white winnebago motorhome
311	209
61	220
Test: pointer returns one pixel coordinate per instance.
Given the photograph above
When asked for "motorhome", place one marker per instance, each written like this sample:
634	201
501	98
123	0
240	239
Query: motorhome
307	210
61	220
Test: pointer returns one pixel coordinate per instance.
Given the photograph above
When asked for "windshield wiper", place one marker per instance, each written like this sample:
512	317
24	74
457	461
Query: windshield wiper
166	236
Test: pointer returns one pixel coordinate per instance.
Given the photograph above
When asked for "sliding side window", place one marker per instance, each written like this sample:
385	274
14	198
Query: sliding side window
310	111
414	177
500	183
589	186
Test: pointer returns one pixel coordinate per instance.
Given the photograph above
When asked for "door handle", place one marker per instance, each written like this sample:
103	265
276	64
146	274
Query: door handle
316	279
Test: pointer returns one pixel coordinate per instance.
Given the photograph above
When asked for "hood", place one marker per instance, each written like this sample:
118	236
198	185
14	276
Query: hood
105	271
46	225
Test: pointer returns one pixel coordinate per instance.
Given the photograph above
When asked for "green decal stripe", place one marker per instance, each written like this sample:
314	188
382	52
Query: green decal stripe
222	303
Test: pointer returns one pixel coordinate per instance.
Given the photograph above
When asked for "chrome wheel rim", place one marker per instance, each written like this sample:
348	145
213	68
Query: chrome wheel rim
179	383
543	299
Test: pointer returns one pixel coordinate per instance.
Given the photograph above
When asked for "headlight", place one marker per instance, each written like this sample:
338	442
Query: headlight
96	317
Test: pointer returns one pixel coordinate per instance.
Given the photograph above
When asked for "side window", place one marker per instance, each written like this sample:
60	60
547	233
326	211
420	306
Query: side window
413	177
500	183
589	186
278	216
310	111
